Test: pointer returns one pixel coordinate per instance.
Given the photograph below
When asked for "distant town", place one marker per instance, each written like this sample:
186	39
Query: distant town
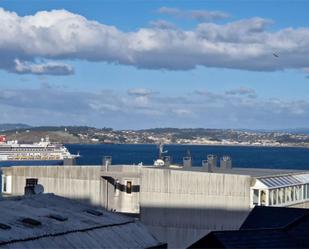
199	136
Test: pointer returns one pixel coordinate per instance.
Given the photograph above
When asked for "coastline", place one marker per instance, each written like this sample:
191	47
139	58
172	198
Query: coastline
197	144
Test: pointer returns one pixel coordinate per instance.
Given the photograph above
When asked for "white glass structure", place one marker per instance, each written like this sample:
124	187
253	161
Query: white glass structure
282	190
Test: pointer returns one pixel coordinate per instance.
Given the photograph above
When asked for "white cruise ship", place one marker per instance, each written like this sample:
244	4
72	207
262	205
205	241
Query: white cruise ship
44	151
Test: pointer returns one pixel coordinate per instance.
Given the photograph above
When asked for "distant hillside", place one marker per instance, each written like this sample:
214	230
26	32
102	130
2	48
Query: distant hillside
92	135
190	133
9	127
31	136
298	131
61	134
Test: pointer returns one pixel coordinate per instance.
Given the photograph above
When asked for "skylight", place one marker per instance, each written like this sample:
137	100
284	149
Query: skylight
94	212
32	222
57	217
4	226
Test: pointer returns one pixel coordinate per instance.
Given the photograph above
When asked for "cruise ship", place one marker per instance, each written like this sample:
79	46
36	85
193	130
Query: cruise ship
42	153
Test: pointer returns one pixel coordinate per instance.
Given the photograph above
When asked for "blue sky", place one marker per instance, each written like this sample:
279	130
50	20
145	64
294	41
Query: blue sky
142	64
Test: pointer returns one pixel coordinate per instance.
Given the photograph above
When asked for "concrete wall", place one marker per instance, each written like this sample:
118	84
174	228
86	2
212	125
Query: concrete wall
117	198
301	205
75	182
83	183
182	206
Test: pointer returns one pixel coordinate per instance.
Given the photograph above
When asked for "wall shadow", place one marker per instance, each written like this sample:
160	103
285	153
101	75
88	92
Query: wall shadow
182	226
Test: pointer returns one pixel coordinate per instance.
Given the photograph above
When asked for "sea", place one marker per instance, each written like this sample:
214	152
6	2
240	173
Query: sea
242	156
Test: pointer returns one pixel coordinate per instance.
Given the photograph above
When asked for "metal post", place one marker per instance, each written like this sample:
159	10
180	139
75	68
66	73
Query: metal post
106	169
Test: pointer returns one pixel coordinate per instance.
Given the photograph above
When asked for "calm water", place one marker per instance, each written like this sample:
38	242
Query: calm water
261	157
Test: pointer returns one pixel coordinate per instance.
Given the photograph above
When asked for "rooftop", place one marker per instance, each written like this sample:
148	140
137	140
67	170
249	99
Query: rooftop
254	172
272	217
50	221
284	180
134	170
265	227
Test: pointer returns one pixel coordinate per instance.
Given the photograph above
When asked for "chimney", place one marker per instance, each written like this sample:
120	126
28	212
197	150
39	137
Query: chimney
226	162
206	166
30	185
212	162
187	162
107	161
167	161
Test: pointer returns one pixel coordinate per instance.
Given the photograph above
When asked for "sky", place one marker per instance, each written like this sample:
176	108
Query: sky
151	64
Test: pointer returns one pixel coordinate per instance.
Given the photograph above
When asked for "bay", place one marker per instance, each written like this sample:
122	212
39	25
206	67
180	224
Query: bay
242	156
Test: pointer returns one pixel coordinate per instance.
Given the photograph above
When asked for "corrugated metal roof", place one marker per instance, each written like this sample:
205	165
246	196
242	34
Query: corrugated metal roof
284	180
80	230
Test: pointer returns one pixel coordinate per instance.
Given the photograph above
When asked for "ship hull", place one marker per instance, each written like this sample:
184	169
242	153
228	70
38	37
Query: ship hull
8	163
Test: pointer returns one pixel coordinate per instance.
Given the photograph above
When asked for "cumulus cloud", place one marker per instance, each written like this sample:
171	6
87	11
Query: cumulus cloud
59	34
45	68
199	15
242	31
162	24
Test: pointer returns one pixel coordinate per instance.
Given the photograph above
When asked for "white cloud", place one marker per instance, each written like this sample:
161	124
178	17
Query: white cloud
242	91
183	112
306	70
140	92
162	24
119	110
141	97
59	34
45	68
199	15
242	31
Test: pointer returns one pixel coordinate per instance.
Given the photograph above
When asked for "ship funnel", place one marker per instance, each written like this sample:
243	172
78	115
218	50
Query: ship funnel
2	138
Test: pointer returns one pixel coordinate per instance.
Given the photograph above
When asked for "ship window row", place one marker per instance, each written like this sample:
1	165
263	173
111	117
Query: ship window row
34	149
27	149
280	196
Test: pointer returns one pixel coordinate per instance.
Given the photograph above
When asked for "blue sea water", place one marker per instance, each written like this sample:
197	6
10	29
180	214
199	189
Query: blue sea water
255	157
